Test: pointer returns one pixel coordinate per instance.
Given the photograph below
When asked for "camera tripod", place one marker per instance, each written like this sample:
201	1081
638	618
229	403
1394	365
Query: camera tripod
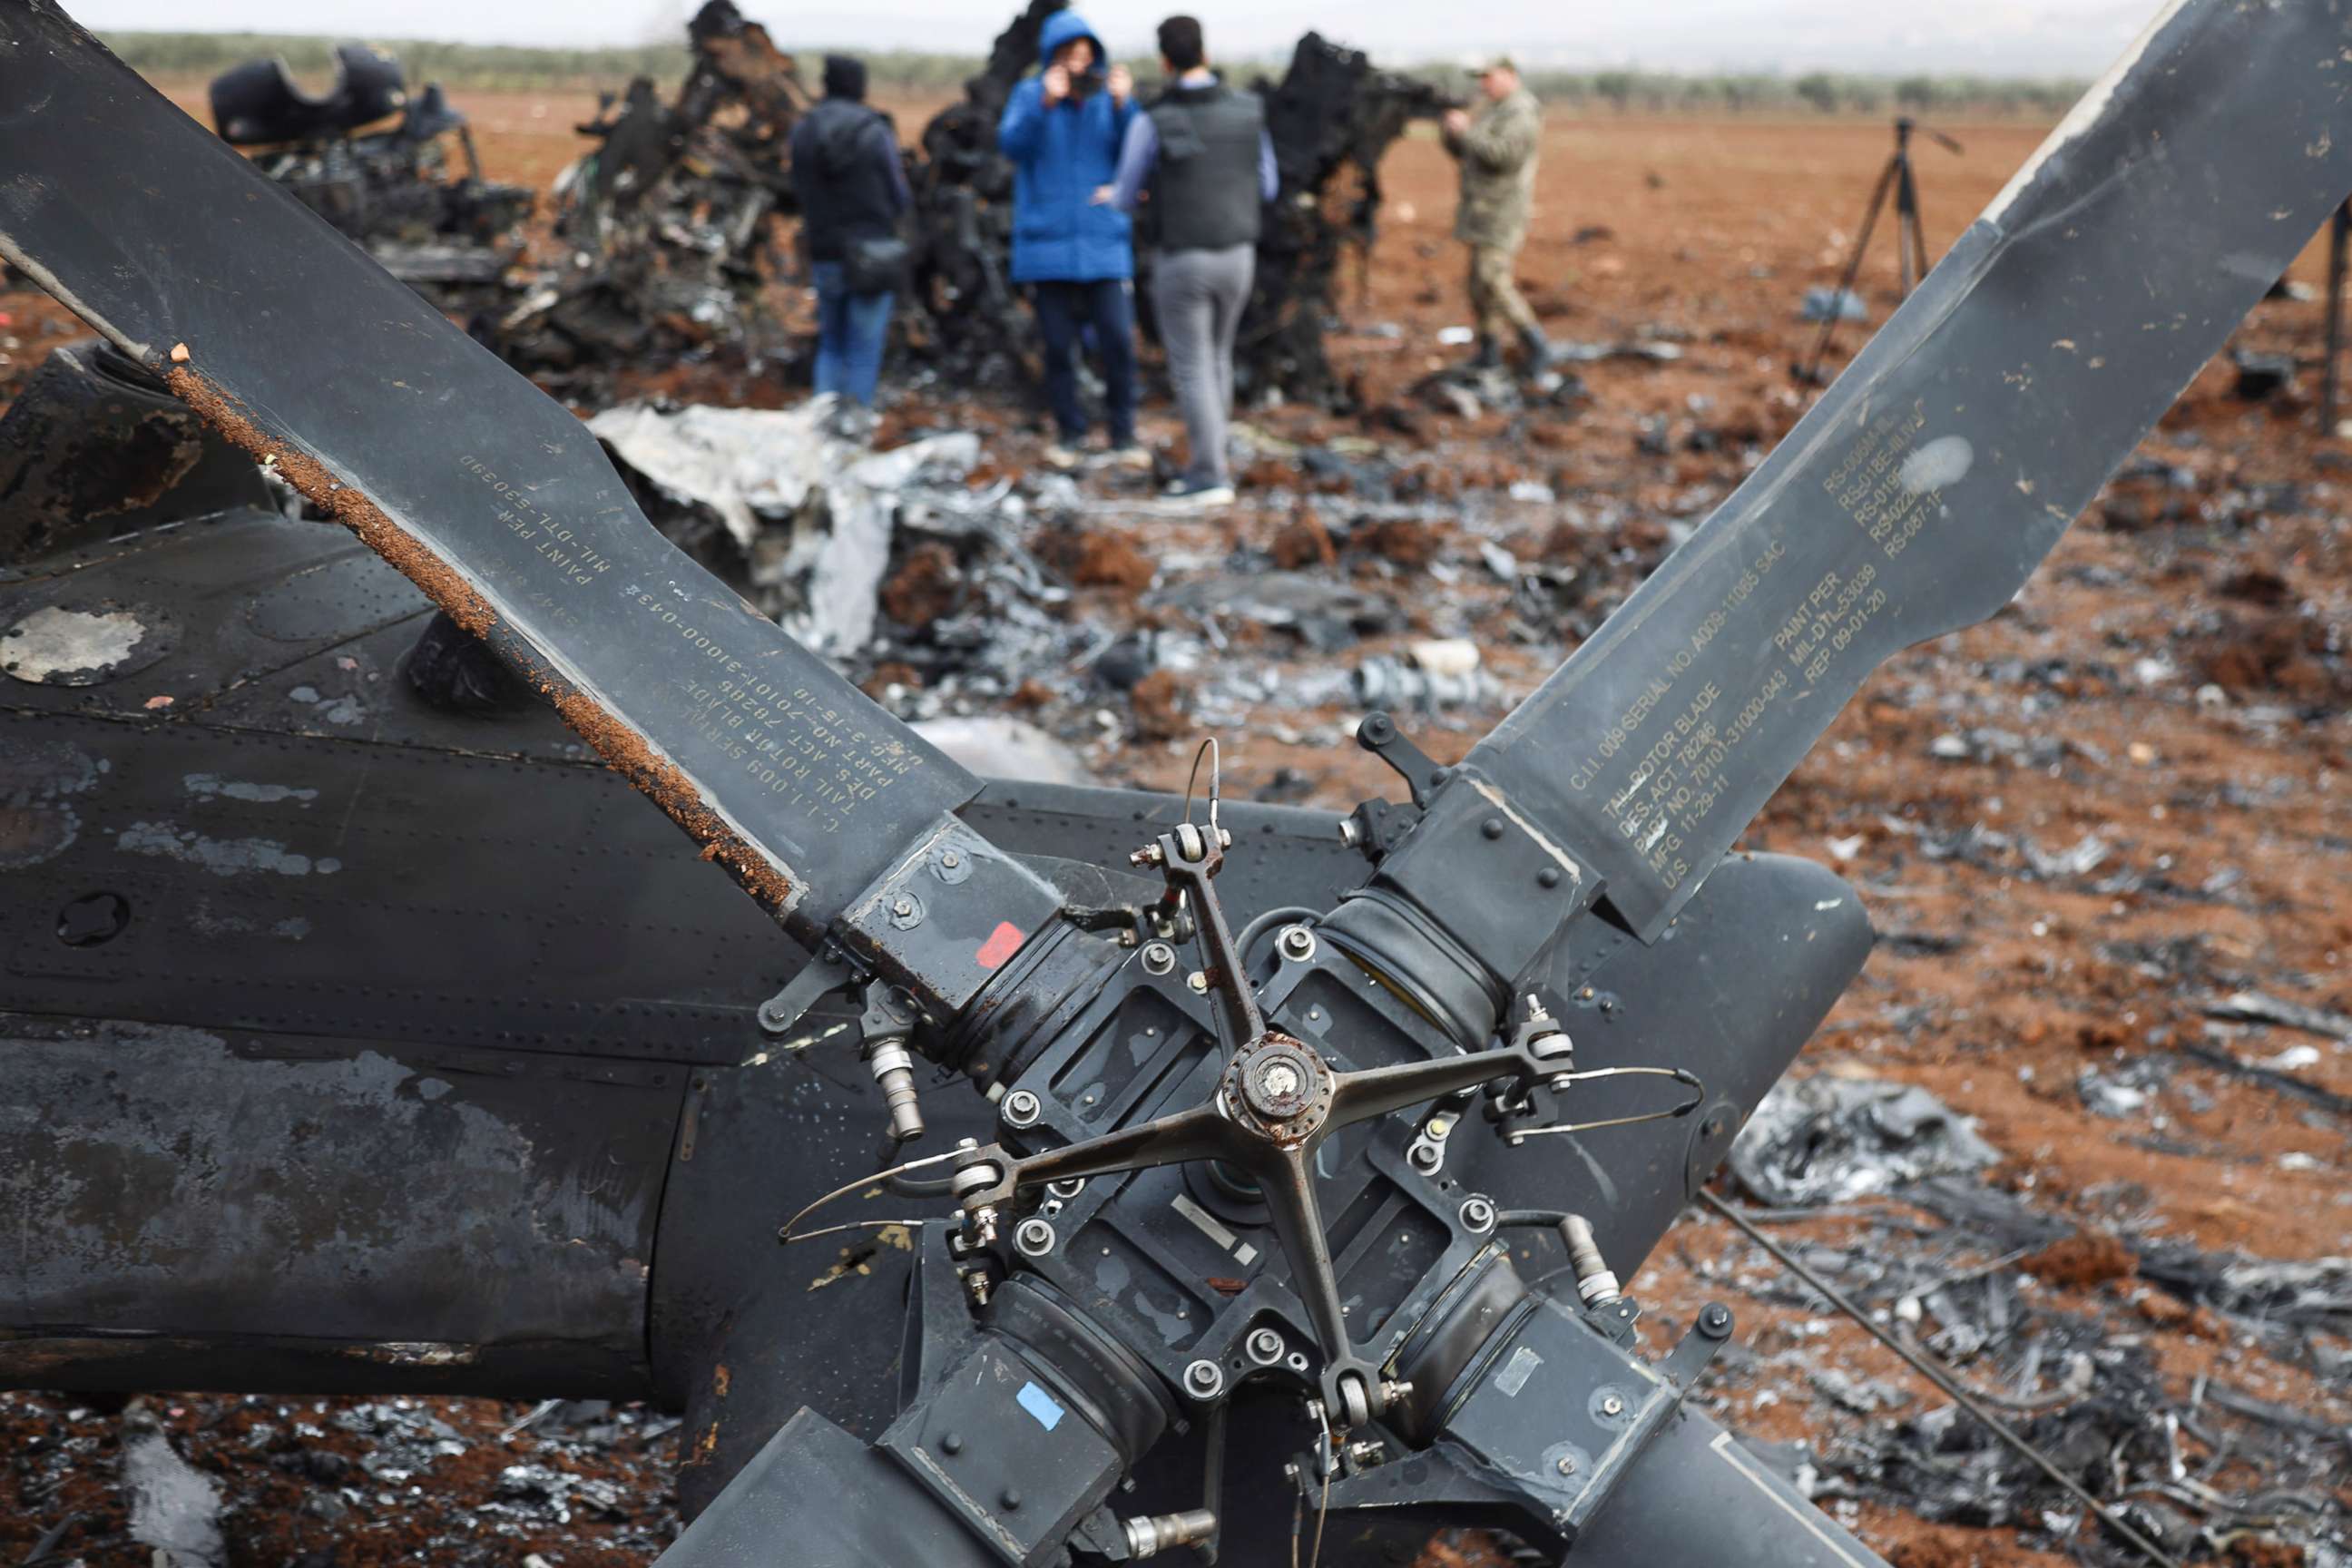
1896	181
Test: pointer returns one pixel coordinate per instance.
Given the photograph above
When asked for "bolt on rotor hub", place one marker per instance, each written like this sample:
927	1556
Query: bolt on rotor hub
1275	1087
1280	1088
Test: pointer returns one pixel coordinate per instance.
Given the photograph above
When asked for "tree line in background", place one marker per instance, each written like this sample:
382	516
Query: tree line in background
1816	92
483	66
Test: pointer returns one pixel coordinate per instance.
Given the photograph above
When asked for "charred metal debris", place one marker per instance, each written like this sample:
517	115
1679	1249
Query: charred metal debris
396	170
2072	1330
669	221
947	589
666	224
1333	116
199	1480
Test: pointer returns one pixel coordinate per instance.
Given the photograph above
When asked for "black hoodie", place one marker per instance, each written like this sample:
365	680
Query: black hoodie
847	172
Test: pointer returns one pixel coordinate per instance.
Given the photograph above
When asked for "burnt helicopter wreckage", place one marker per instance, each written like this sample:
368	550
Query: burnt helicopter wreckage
394	170
1259	1090
675	251
671	218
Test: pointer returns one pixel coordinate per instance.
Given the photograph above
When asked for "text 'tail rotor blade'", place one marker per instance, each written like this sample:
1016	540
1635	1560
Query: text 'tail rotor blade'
1947	460
492	498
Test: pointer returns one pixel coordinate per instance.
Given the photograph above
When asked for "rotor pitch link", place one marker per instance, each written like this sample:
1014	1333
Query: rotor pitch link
1534	1114
1190	857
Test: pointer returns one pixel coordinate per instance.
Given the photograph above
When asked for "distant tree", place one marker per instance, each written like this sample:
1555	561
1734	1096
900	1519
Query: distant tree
1615	88
1821	89
1917	92
1745	93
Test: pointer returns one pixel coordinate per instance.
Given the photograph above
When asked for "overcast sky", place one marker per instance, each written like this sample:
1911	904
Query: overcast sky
2051	37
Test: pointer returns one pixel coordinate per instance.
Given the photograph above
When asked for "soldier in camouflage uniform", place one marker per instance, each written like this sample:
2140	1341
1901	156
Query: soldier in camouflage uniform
1497	150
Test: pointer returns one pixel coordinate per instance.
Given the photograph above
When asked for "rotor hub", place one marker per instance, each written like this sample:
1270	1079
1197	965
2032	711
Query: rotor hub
1279	1089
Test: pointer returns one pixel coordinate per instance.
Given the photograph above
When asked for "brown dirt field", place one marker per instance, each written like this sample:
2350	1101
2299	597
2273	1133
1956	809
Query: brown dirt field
1716	228
2233	805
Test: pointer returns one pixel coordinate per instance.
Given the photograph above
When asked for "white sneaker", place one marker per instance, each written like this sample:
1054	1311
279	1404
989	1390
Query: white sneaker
1196	497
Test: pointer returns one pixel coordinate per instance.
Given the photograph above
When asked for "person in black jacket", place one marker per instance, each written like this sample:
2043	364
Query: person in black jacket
852	187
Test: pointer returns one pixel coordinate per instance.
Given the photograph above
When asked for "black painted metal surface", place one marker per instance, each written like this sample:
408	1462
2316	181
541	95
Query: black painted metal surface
185	1207
285	906
1946	462
92	445
179	252
838	1502
1698	1496
300	843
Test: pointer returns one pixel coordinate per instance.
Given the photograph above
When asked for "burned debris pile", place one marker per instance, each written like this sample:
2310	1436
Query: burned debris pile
206	1480
950	587
671	220
2075	1333
965	321
945	595
1331	116
412	190
776	503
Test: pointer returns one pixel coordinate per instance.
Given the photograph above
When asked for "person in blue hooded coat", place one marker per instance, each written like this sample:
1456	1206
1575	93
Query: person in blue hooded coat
1063	128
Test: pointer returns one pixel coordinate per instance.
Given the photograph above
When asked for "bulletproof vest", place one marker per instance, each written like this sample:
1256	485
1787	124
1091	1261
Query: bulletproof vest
845	190
1205	190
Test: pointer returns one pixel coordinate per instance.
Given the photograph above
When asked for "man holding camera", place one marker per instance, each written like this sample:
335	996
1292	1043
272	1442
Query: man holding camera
1062	129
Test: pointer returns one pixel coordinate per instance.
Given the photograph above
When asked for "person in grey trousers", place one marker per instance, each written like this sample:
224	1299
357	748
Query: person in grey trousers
1202	152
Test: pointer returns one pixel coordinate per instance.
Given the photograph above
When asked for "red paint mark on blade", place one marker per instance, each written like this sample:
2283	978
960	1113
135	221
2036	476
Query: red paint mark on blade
1001	943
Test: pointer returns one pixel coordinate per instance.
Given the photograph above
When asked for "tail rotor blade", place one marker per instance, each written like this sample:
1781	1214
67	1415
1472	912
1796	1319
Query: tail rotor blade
493	498
1941	467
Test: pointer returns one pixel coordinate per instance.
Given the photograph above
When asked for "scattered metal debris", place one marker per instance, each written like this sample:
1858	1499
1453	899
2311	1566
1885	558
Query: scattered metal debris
2008	1308
2254	1007
1824	304
1827	1139
413	192
809	515
995	746
174	1507
2261	377
1937	1375
2270	1074
1387	683
671	218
